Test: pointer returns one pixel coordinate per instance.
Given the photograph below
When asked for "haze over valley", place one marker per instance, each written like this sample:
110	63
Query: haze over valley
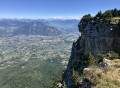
30	49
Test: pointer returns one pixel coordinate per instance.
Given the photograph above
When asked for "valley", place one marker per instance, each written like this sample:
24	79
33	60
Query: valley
34	53
34	61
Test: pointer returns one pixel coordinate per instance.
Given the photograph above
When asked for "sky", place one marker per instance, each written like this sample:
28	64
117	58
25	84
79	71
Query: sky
43	9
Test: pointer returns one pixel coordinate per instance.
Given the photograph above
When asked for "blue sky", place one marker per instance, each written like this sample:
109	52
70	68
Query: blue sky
53	8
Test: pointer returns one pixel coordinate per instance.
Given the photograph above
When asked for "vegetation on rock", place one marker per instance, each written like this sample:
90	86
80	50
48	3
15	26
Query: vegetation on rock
64	85
111	55
76	77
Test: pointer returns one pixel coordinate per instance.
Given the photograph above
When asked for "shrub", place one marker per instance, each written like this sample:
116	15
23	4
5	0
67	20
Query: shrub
114	55
77	79
102	56
64	85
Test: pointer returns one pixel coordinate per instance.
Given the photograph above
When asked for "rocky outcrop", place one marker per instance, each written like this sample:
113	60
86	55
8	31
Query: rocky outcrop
97	37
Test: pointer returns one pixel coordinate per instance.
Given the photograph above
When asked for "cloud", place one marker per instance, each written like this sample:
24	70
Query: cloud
64	18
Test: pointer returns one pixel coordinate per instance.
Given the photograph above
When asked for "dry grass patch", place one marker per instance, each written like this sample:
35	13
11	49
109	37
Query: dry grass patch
115	18
108	77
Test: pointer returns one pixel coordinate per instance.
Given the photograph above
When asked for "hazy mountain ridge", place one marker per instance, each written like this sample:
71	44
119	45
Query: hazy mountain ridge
11	27
65	25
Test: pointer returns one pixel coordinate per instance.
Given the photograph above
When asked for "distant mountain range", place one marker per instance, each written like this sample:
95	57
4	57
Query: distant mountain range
12	27
26	27
65	25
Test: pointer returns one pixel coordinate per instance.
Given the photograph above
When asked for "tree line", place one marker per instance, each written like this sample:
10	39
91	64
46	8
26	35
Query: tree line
105	15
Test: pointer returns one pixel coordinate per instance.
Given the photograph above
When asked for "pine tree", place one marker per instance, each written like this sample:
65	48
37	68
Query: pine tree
119	13
99	15
87	16
115	13
107	15
91	60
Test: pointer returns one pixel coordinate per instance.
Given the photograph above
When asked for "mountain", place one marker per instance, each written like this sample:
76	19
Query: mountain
11	27
34	29
88	65
47	27
65	25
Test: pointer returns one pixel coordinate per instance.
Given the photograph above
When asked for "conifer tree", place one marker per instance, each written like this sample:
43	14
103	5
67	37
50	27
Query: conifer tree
115	13
91	60
107	15
99	15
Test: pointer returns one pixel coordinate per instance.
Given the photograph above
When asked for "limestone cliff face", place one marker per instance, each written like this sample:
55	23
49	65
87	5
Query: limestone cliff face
97	37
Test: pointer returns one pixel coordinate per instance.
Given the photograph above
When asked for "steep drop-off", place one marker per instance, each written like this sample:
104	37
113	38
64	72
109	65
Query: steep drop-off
97	37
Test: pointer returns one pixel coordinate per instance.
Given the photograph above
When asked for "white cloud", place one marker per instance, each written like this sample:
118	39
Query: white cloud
64	18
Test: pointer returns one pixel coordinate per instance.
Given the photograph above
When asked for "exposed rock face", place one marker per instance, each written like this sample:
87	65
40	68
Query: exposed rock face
97	37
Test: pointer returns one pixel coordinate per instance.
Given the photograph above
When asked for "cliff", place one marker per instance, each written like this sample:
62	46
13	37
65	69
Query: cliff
97	37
